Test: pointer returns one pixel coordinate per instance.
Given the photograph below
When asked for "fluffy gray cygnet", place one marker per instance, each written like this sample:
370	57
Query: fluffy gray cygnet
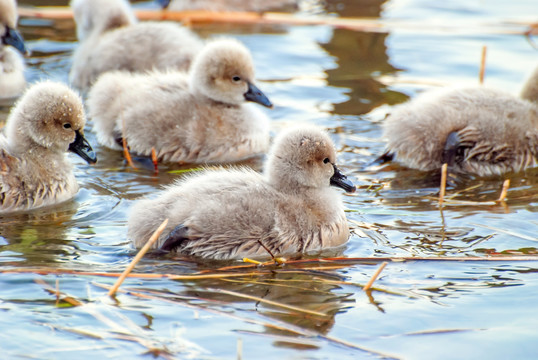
199	117
46	122
229	214
110	38
12	81
478	131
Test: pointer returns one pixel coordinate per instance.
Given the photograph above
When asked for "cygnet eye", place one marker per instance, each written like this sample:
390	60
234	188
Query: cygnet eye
236	79
326	160
67	126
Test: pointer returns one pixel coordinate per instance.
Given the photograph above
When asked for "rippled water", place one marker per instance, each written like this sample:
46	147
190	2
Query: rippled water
346	81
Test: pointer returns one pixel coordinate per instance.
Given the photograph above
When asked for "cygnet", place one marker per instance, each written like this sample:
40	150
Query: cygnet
229	214
46	122
110	38
478	131
200	117
12	81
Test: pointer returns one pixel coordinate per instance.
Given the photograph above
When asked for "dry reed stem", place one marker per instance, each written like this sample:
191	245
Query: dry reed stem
138	256
442	191
68	299
269	302
251	261
217	275
509	232
374	277
201	17
482	65
451	201
57	292
239	349
504	191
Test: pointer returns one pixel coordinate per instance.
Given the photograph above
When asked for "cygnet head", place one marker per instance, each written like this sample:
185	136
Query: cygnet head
51	116
304	157
98	16
223	71
8	24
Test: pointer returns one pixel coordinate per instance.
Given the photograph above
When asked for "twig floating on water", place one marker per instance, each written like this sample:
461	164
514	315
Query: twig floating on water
482	65
68	299
272	18
138	256
374	277
504	191
442	191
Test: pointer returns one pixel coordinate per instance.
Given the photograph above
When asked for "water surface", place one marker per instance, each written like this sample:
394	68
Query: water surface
346	81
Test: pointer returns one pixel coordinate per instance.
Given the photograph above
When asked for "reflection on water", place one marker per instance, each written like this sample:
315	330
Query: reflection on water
335	78
361	58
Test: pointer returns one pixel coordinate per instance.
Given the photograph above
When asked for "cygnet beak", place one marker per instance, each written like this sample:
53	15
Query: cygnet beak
254	94
82	148
13	37
341	181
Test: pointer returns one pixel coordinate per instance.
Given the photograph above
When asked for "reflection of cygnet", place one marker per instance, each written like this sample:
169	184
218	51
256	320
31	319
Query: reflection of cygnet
475	130
47	121
230	214
111	39
12	82
196	118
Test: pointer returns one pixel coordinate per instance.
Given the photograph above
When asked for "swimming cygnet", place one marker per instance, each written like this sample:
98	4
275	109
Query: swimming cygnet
46	122
230	5
196	118
111	39
230	214
477	130
12	81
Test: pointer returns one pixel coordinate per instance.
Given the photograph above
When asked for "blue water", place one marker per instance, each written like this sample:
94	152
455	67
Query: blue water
346	81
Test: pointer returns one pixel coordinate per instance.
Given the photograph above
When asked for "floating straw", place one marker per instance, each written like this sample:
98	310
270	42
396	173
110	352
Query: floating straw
504	191
374	277
137	258
443	183
482	64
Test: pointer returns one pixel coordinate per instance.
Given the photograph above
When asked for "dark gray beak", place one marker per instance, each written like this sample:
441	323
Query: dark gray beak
254	94
13	37
341	181
82	148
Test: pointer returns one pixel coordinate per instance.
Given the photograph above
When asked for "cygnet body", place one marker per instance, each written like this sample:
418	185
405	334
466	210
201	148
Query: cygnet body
110	38
478	131
230	214
12	81
229	5
200	117
46	122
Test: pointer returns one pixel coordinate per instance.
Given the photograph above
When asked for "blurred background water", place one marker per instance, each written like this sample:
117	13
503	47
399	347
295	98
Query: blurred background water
346	81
